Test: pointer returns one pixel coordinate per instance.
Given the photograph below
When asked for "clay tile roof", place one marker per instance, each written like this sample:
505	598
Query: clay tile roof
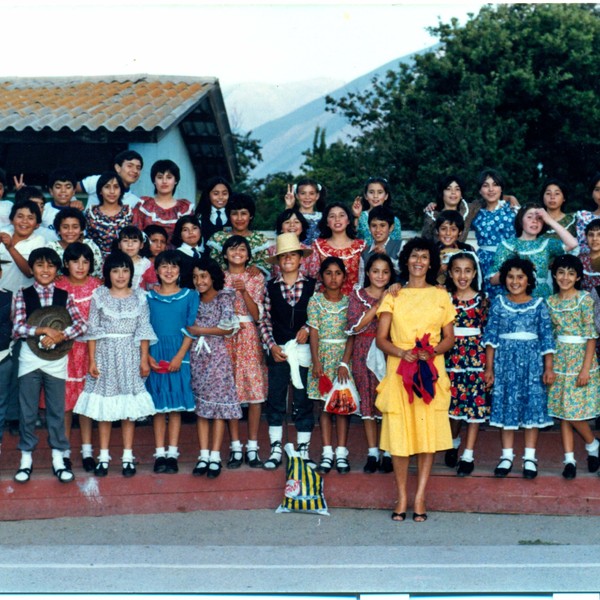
148	102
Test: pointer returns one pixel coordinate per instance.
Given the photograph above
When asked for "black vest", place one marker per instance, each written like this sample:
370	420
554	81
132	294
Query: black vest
285	319
5	322
32	300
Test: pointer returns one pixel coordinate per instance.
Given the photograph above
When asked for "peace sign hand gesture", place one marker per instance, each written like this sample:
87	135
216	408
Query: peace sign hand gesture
290	199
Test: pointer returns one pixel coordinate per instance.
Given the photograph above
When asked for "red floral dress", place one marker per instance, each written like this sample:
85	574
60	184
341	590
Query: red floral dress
465	363
350	256
148	212
77	359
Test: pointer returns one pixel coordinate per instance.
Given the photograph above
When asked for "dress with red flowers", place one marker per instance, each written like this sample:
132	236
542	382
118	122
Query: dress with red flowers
465	363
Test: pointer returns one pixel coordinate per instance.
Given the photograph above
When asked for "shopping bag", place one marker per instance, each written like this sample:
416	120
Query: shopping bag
343	399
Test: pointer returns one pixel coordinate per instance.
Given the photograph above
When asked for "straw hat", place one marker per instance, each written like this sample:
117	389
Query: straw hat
288	242
56	317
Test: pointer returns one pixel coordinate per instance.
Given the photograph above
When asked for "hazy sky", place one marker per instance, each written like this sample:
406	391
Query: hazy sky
234	41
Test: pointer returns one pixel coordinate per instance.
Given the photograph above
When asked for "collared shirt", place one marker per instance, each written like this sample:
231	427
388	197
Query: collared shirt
291	294
19	314
214	212
196	251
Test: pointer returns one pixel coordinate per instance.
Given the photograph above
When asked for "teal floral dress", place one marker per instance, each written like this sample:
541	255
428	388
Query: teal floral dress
573	326
330	320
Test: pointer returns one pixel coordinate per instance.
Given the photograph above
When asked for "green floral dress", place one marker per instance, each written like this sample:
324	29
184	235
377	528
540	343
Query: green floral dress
573	325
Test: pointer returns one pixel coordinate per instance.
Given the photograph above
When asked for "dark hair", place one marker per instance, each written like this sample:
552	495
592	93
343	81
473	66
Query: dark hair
495	175
559	184
381	213
163	166
167	257
286	215
593	225
567	261
450	216
62	175
593	181
320	204
3	178
149	231
385	258
28	192
68	212
239	201
332	260
386	187
450	285
442	184
325	230
115	260
121	157
213	269
104	179
420	243
516	262
233	242
204	206
129	232
185	220
28	204
44	254
521	215
75	251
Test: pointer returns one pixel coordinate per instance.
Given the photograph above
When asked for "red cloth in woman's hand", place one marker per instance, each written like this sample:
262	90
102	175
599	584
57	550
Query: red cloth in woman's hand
419	377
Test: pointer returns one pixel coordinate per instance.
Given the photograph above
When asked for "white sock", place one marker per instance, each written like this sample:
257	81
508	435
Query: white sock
26	460
173	452
236	446
328	451
67	453
104	456
529	455
127	455
592	449
387	454
467	455
570	458
204	455
159	452
58	462
374	452
303	437
341	452
508	453
252	445
215	456
456	443
275	433
86	450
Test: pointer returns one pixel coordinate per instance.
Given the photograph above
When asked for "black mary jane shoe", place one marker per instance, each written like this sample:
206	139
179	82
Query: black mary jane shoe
386	465
236	459
451	458
160	464
171	466
88	464
570	471
129	469
101	469
325	465
502	472
253	460
342	465
371	465
201	467
529	473
593	463
464	468
214	472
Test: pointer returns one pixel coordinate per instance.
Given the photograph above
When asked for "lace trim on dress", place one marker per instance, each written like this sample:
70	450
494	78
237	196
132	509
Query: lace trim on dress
352	330
184	292
531	305
541	248
581	297
348	252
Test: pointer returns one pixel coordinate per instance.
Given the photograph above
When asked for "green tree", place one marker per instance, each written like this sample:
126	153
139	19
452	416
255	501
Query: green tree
516	87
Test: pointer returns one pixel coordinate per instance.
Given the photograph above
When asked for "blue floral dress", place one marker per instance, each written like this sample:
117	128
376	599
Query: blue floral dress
465	363
541	252
521	335
492	227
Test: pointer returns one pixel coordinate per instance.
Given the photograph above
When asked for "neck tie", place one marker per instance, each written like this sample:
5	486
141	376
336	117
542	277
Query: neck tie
219	221
195	253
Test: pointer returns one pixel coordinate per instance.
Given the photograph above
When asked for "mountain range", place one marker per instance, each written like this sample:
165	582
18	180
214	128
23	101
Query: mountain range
292	119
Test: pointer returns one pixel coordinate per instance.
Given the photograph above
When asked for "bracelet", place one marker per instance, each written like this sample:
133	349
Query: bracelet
343	364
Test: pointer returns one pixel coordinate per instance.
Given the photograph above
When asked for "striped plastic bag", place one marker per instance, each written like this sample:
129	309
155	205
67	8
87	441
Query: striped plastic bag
303	486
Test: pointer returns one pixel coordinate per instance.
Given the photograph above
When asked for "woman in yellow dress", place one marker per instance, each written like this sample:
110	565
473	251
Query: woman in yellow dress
415	427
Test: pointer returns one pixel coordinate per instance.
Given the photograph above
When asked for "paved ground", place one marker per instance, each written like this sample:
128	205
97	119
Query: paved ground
260	551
